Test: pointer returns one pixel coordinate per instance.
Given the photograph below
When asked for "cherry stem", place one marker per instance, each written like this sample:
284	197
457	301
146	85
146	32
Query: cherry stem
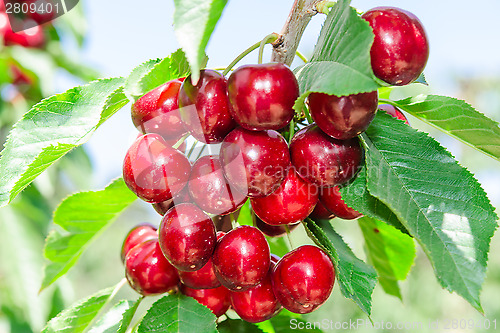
244	54
115	291
234	223
271	38
287	229
387	101
181	141
301	56
192	148
292	131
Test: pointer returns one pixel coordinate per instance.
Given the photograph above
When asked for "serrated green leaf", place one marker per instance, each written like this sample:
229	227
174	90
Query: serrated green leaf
52	128
357	196
340	64
390	251
178	313
458	119
356	279
128	315
115	318
438	201
153	73
194	22
421	79
78	317
237	326
83	216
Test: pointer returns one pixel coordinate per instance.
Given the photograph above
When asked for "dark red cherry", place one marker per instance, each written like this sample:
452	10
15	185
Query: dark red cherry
216	299
147	270
43	12
158	112
323	160
241	259
303	279
138	234
210	190
204	278
292	202
320	212
255	163
395	112
256	304
273	230
400	49
205	107
262	96
181	197
343	117
331	198
154	171
187	237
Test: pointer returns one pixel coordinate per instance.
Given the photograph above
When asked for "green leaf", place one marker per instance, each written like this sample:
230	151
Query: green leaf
245	215
79	316
391	253
83	216
237	326
340	64
194	22
154	73
458	119
278	245
115	318
52	128
178	313
440	203
128	315
356	279
357	196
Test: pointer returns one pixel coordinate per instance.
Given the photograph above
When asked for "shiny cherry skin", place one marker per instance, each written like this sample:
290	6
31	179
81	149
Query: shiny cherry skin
292	202
320	212
158	112
256	304
182	197
31	37
332	199
210	190
241	259
395	112
205	277
343	117
216	299
262	96
303	279
187	237
147	270
205	107
322	160
273	230
255	162
154	171
400	50
138	234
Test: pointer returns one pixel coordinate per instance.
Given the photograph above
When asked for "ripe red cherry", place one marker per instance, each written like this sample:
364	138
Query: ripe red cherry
323	160
210	190
216	299
255	163
256	304
31	37
303	279
332	199
147	270
320	212
393	111
273	230
154	171
138	234
158	112
400	49
262	96
187	237
205	107
292	202
205	277
343	117
181	197
42	13
241	259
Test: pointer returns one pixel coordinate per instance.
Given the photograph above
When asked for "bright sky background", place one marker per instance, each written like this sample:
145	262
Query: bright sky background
464	40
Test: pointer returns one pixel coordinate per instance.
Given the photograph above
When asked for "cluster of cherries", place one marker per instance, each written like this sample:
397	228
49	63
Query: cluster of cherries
248	114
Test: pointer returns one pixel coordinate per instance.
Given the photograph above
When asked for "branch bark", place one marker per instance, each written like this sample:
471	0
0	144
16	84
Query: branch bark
285	47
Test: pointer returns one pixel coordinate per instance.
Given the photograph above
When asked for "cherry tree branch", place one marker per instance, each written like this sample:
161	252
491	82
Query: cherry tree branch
298	19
